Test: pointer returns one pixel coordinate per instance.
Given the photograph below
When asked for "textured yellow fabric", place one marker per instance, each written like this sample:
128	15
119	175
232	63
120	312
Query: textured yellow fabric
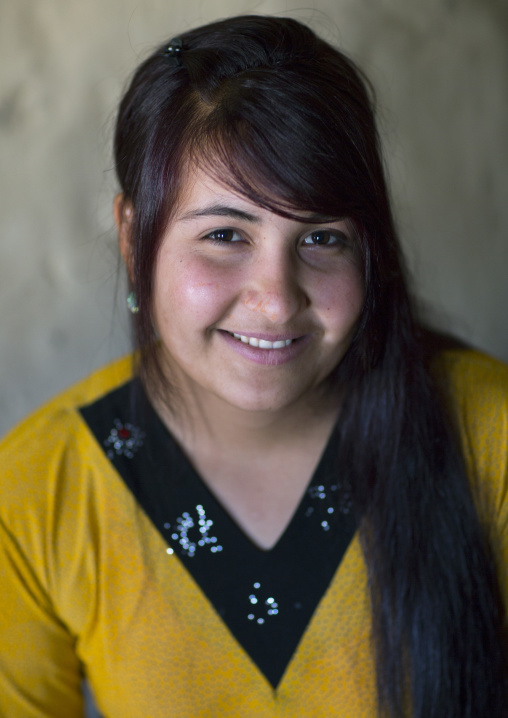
87	584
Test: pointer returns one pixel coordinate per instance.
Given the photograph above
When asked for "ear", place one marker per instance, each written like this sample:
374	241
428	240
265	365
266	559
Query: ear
123	213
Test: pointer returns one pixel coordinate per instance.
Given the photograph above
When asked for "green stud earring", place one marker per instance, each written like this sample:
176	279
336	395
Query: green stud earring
132	303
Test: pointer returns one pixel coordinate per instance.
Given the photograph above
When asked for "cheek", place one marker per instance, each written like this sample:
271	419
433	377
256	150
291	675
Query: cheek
192	292
340	298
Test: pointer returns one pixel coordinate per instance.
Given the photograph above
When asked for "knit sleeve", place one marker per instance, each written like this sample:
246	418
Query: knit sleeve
40	674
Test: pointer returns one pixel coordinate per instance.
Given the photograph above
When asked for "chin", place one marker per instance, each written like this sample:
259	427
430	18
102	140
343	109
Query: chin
265	401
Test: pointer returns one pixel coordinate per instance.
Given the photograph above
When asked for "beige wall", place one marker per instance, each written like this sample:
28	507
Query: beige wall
441	69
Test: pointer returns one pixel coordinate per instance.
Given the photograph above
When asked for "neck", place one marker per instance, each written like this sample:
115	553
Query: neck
256	463
197	416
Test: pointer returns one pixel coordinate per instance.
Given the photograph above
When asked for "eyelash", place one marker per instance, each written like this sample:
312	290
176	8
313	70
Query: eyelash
340	237
213	238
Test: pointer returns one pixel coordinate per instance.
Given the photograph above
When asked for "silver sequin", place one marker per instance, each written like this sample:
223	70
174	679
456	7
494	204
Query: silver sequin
184	525
268	607
321	493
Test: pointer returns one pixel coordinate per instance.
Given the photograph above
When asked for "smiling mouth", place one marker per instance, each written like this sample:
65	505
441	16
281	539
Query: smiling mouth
262	343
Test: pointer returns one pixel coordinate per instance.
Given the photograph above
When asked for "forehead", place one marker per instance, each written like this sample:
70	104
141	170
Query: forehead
205	193
201	192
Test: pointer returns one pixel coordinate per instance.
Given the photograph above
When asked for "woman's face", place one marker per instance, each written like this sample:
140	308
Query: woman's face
253	308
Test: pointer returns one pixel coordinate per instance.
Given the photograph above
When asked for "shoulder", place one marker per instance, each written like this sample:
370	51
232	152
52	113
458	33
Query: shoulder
473	373
477	386
39	423
39	452
478	389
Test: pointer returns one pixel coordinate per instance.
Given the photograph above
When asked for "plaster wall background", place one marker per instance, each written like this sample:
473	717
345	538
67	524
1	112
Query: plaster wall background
441	72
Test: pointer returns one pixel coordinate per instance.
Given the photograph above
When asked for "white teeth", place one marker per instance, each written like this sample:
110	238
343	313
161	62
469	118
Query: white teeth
263	343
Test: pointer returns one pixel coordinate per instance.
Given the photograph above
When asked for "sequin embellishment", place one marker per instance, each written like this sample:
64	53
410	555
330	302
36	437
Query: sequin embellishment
324	511
123	440
183	530
269	606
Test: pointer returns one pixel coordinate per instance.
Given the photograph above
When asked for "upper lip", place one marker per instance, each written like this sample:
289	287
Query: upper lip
267	336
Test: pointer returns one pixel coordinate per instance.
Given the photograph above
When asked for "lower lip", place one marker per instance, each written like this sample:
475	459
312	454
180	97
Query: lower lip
268	357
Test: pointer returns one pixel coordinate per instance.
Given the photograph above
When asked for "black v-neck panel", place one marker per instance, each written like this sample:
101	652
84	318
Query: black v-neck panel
265	598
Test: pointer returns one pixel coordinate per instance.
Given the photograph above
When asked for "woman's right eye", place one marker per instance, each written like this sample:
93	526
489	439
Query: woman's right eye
222	236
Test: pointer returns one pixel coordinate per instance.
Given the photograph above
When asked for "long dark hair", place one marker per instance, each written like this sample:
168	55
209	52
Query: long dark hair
288	121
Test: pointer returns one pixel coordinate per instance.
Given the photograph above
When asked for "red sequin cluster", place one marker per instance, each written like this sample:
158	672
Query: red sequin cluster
123	440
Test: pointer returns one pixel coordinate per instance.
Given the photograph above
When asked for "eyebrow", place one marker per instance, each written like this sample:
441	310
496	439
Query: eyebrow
220	210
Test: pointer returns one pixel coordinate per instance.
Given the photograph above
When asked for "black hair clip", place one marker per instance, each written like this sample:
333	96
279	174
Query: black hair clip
173	52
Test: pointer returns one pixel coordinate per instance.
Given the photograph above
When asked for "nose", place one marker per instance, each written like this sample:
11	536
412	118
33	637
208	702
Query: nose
275	289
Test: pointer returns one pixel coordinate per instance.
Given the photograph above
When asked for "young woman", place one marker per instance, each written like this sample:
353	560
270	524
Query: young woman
296	503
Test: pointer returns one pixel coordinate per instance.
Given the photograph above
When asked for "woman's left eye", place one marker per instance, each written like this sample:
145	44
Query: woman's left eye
326	238
222	236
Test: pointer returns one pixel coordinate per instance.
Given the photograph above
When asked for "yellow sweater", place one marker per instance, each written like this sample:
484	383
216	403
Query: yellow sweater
88	585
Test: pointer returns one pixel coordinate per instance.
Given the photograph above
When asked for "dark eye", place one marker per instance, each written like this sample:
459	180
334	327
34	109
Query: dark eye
224	235
325	237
